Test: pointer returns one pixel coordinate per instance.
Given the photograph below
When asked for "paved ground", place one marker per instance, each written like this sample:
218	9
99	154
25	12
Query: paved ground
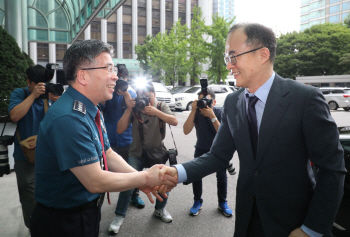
209	222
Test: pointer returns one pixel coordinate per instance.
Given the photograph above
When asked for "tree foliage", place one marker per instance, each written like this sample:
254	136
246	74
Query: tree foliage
12	68
316	51
218	31
198	50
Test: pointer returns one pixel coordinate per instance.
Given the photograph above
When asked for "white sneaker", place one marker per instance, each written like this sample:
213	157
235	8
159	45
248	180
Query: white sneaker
163	214
115	225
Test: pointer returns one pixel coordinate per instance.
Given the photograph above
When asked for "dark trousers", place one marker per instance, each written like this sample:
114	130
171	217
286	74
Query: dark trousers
221	177
124	152
46	222
25	174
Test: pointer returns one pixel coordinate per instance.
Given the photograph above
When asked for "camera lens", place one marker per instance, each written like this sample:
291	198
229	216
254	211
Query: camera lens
201	104
121	85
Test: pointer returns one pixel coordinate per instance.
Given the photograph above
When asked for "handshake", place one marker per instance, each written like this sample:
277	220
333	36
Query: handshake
159	179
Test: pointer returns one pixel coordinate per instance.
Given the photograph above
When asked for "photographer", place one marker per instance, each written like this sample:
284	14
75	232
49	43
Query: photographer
206	121
27	109
148	119
113	110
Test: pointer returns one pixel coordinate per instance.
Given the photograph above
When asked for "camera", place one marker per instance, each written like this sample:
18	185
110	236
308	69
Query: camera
141	102
121	84
172	157
231	169
205	101
56	89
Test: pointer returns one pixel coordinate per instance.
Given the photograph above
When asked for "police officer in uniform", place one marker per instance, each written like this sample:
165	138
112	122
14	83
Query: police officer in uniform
72	146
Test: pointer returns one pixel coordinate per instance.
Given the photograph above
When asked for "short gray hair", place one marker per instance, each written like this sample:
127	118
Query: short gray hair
258	36
83	53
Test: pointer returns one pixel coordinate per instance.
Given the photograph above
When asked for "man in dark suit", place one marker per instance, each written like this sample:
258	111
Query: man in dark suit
277	126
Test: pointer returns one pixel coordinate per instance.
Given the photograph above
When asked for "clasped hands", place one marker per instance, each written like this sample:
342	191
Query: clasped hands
159	180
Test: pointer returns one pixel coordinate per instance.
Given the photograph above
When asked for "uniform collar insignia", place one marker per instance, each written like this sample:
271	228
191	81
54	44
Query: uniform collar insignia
79	106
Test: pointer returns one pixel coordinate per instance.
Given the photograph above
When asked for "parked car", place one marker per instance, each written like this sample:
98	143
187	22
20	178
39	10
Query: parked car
162	94
179	89
337	97
183	101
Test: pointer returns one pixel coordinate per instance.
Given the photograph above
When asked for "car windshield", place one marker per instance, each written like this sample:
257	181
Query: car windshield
193	90
179	89
159	88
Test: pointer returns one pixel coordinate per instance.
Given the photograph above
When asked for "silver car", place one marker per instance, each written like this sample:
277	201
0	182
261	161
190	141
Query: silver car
162	94
337	97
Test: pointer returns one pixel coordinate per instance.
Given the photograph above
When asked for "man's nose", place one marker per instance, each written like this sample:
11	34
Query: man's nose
229	66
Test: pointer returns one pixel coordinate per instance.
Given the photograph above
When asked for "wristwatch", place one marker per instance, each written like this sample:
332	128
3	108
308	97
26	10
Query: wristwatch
213	120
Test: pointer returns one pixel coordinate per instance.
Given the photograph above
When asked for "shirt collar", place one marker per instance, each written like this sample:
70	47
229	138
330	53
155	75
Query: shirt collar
263	90
76	95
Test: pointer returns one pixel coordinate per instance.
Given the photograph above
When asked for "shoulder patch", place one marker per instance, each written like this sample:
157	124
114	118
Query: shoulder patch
79	106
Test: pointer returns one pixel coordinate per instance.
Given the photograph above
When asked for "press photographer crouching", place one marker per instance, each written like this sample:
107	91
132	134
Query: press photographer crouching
27	109
206	119
147	117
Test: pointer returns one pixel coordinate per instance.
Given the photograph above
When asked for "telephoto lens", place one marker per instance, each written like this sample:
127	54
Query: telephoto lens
231	169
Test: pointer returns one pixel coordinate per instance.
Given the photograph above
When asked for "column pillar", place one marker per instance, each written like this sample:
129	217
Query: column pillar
13	21
133	27
188	13
120	32
149	17
87	33
24	26
33	52
104	30
162	16
52	58
176	11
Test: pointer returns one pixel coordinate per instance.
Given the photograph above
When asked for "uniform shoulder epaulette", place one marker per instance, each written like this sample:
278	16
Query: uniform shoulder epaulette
79	106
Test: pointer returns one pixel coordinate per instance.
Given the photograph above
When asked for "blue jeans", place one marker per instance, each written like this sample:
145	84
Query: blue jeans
125	197
221	177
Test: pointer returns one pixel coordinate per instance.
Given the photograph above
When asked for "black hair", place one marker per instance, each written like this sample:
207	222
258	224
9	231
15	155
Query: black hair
125	73
258	36
210	92
83	53
36	74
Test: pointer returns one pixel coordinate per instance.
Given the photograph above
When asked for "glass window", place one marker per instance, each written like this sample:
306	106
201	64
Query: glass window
111	27
34	34
141	3
127	19
141	30
346	6
334	19
155	13
304	9
141	20
155	22
304	2
96	35
155	31
127	29
194	2
36	19
59	36
141	11
182	8
334	9
127	47
95	26
43	51
127	55
316	14
127	2
182	1
155	4
57	19
317	4
169	24
333	1
304	18
141	39
169	6
60	51
344	16
169	15
126	10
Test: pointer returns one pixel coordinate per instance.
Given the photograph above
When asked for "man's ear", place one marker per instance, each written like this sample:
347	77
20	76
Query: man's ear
81	77
265	54
28	82
214	102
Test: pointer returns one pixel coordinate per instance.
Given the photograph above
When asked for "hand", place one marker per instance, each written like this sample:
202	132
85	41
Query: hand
124	93
169	176
208	112
150	110
39	89
130	103
298	233
194	106
53	97
148	191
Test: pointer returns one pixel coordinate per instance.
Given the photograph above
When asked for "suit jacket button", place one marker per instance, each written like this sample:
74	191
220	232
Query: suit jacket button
256	173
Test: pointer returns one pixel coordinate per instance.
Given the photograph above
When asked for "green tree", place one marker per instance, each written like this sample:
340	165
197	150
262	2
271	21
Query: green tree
12	68
218	31
174	54
142	51
197	45
347	21
316	51
345	60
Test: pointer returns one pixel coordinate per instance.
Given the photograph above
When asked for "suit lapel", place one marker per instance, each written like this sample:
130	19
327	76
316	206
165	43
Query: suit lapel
276	105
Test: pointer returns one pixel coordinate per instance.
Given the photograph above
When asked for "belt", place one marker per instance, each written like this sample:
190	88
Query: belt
83	207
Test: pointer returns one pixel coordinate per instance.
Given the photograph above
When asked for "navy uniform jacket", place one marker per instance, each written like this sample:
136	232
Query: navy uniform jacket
68	137
296	128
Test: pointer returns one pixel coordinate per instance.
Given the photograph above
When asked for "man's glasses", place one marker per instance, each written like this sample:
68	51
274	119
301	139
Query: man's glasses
232	58
110	68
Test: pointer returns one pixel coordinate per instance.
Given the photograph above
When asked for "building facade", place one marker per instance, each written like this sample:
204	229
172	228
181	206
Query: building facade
313	12
225	8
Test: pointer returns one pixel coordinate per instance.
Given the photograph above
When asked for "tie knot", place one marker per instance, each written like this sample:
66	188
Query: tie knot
252	100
